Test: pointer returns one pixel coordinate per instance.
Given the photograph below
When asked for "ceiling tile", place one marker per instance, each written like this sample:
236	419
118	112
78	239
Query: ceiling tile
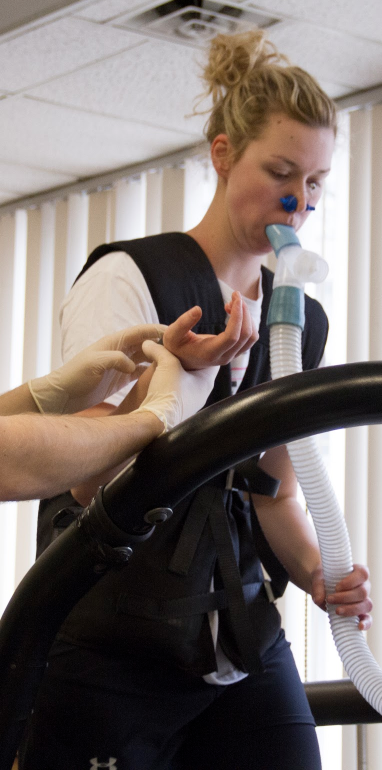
23	180
103	10
56	48
330	56
77	143
362	19
334	90
154	83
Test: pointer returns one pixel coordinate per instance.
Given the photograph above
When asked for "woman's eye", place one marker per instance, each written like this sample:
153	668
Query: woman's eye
279	174
313	186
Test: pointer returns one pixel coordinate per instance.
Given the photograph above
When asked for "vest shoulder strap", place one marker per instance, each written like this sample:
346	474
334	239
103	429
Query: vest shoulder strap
178	275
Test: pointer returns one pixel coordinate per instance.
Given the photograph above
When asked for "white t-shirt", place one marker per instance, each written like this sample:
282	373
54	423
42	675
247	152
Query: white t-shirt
240	363
112	295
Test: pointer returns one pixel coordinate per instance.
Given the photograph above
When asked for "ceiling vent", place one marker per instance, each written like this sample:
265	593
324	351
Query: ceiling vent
195	23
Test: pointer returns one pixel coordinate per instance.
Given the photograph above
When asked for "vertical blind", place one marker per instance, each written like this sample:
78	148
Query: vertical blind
43	247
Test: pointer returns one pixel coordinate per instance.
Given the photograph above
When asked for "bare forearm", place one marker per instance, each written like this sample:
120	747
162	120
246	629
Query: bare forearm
285	524
42	455
291	537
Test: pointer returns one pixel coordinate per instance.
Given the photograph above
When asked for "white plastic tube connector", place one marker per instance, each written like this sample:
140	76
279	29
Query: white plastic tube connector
296	267
329	522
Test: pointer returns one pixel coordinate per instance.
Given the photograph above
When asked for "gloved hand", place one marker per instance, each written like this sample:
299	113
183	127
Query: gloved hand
174	394
94	374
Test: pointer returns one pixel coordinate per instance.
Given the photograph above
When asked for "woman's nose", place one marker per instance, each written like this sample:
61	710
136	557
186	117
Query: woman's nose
295	202
302	204
302	198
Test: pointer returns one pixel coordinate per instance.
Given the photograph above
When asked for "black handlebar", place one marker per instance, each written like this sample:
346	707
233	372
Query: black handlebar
170	468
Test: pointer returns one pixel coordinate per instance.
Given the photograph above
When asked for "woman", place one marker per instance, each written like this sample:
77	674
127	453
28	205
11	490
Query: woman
227	696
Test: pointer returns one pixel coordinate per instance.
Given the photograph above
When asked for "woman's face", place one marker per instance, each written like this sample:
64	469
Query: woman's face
289	158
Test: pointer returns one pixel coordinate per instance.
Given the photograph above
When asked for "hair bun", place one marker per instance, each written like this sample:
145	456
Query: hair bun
233	57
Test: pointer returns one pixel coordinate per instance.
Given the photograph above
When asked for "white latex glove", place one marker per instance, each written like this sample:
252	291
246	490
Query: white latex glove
173	393
95	373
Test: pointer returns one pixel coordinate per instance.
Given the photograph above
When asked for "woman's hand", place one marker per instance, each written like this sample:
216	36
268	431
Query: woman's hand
351	595
197	351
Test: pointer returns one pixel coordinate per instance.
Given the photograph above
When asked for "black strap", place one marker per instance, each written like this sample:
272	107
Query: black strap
185	606
190	537
209	505
247	476
240	622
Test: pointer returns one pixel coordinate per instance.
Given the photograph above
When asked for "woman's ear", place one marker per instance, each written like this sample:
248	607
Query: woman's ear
222	155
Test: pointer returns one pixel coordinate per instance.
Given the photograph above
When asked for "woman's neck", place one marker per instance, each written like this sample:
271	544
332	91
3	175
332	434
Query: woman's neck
240	271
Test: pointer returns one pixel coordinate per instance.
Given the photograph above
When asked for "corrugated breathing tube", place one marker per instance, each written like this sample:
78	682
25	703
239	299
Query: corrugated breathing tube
286	320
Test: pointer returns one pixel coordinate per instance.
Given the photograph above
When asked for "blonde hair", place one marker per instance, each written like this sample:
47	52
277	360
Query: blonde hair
249	80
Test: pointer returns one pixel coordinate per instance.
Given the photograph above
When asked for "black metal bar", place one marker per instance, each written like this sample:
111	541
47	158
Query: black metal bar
361	747
238	428
338	702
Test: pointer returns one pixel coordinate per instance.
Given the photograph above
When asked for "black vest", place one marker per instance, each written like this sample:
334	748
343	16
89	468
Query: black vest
179	276
158	603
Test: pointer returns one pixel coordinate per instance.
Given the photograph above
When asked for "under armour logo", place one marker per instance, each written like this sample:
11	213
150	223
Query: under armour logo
110	764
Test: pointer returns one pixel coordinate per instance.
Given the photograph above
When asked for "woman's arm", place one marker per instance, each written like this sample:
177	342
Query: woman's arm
294	541
285	524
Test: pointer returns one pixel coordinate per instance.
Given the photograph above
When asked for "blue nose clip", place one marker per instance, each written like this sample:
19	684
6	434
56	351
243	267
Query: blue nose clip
290	203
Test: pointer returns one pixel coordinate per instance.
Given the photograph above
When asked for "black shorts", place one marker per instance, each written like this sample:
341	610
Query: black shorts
96	711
